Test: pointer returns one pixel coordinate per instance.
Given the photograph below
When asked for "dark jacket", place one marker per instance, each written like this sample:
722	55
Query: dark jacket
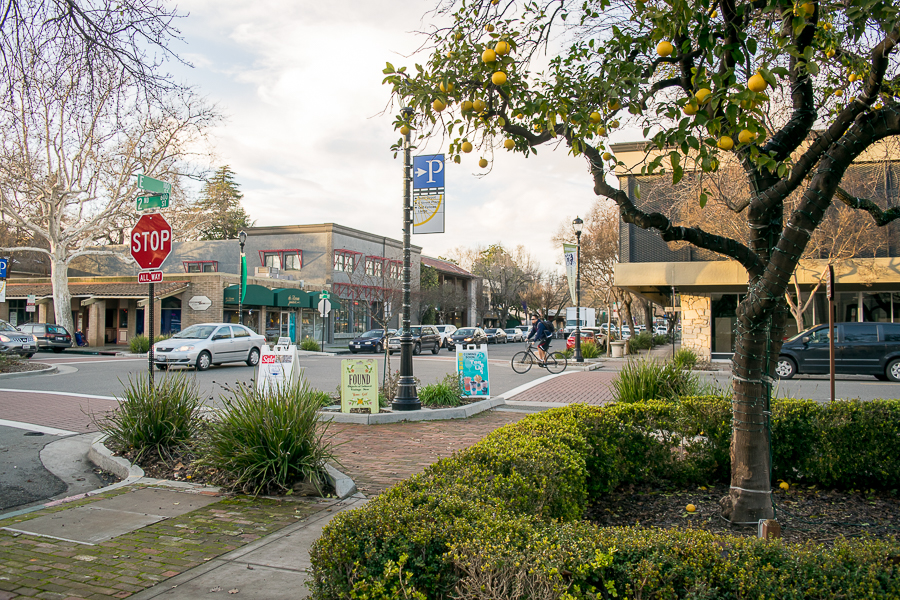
539	332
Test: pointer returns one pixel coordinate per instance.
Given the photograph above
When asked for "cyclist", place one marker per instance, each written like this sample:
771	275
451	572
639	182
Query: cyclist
541	336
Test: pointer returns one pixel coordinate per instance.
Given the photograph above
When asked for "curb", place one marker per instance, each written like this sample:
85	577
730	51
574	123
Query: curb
47	371
425	414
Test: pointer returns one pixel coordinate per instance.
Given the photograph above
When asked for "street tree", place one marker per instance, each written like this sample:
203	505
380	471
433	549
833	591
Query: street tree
71	141
219	210
547	293
704	80
506	276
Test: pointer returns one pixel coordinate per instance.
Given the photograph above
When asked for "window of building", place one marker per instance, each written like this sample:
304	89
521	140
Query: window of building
346	260
395	269
374	266
285	260
201	266
18	314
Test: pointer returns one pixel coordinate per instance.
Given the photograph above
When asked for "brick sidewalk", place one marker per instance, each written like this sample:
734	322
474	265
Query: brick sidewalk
71	413
587	387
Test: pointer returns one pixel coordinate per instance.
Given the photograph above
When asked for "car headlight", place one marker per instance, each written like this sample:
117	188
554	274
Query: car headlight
184	348
3	338
467	340
34	337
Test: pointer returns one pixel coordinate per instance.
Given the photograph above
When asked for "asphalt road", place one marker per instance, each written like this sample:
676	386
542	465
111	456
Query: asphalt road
23	478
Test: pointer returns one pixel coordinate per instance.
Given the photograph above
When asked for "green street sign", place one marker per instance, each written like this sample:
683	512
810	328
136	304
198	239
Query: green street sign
154	185
324	295
146	202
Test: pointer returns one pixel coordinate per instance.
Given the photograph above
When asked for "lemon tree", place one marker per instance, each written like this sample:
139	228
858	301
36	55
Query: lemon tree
764	83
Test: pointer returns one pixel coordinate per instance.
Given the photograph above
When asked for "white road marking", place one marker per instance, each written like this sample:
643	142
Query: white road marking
59	394
38	428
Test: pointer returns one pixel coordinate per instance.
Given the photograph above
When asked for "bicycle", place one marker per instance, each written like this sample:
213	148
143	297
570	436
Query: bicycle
523	361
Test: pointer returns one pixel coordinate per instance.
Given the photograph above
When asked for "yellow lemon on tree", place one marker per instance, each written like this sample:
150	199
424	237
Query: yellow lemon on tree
702	94
601	130
520	116
467	147
478	105
808	8
725	143
495	1
665	48
509	144
489	27
607	156
498	78
690	108
438	105
449	55
838	93
502	48
595	117
446	87
488	56
614	123
757	83
459	35
614	104
878	106
826	26
784	485
466	105
713	14
746	136
483	163
404	130
853	77
690	508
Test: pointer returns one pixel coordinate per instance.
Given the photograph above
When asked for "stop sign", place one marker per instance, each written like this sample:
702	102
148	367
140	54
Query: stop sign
151	241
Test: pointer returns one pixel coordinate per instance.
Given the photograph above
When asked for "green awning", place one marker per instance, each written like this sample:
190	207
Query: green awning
256	295
289	298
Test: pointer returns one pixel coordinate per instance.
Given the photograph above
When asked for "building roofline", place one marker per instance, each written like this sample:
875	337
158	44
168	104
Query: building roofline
327	228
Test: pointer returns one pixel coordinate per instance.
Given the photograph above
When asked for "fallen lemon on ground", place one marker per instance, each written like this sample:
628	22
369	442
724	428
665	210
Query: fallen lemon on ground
438	105
784	485
757	83
665	48
483	163
498	78
467	147
509	144
725	143
690	508
488	56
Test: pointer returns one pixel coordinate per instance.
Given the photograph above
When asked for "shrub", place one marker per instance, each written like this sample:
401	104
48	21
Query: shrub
446	392
162	418
589	350
139	344
310	344
268	442
685	358
659	340
652	380
641	341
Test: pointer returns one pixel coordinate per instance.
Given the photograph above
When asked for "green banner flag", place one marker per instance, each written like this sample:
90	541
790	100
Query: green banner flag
243	276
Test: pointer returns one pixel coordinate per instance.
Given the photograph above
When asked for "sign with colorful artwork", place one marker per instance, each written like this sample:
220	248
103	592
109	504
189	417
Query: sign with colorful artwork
359	384
277	367
569	254
472	369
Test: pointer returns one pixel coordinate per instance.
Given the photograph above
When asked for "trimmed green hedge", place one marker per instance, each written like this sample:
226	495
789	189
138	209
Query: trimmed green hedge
501	519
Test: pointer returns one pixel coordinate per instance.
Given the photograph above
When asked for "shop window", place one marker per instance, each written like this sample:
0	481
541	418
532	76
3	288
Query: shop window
285	260
374	266
395	269
170	315
17	313
346	260
201	266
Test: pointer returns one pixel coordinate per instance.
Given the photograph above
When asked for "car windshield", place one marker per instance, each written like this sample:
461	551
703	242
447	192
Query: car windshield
56	329
466	331
196	332
512	331
374	333
806	332
4	326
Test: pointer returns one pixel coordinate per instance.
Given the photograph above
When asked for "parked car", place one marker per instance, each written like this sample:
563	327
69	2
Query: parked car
514	334
660	330
468	335
13	341
859	349
207	344
446	331
587	335
425	337
372	340
49	336
495	335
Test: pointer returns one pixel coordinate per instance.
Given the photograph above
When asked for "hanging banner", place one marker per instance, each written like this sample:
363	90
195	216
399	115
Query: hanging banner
277	367
569	253
359	384
428	193
472	369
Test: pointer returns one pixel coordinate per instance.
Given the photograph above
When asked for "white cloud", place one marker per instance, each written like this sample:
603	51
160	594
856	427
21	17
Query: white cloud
300	83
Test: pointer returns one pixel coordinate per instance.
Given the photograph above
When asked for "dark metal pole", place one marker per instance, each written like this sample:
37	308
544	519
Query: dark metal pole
674	321
830	290
152	320
241	287
407	397
578	356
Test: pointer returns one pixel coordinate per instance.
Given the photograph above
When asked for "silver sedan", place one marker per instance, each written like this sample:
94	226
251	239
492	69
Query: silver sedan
207	344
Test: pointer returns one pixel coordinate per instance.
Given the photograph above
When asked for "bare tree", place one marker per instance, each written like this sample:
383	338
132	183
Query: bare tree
548	293
70	144
506	275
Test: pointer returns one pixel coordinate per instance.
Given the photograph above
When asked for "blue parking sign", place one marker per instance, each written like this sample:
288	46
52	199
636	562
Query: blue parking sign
428	171
4	263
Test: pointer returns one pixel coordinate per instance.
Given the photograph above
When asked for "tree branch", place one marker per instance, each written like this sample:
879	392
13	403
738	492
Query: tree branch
881	217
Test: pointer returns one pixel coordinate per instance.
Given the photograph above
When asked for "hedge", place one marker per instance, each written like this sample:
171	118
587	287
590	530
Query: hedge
501	519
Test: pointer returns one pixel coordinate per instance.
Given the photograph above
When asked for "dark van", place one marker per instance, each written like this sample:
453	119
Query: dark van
859	349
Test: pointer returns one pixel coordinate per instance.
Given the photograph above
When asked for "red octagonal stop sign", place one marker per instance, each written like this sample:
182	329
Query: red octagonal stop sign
151	241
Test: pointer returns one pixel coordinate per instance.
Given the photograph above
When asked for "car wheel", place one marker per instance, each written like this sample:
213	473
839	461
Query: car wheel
378	349
785	369
162	367
29	355
253	357
436	348
893	370
204	361
417	349
352	351
58	350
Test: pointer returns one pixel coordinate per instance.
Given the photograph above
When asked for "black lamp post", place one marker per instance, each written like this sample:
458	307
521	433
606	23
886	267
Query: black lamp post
242	239
407	398
578	225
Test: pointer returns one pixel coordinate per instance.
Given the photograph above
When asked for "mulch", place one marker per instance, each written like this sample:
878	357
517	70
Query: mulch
10	365
805	513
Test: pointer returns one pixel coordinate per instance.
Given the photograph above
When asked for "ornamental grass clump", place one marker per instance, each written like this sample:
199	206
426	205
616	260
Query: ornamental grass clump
310	345
163	418
447	392
589	350
267	442
652	380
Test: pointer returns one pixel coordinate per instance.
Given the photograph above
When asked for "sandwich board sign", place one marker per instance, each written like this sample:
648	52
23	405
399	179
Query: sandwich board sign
359	384
472	369
277	367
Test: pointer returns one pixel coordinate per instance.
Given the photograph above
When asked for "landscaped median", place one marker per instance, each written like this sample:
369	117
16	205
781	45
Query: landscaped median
503	519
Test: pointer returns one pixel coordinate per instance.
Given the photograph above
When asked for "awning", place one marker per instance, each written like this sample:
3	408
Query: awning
289	298
256	295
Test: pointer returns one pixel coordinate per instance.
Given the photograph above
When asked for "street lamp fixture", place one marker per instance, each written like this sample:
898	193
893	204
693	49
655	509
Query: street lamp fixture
242	239
578	226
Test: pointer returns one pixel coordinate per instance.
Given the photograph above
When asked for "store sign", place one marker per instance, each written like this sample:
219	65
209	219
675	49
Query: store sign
359	384
2	290
472	369
277	367
199	302
29	303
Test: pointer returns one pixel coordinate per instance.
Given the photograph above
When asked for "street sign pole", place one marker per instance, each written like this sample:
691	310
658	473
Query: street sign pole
150	353
406	398
829	288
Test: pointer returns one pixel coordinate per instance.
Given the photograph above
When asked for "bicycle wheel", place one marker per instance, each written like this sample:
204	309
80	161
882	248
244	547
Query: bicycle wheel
522	362
556	362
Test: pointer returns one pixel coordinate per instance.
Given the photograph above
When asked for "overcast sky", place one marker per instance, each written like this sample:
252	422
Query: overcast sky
300	85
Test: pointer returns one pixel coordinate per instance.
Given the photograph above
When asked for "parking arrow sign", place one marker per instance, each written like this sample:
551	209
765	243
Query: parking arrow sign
428	171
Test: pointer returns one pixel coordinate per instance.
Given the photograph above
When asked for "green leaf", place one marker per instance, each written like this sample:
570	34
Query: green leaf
703	199
751	45
677	173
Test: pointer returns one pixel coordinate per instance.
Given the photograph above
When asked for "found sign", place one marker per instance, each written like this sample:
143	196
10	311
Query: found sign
472	369
359	384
